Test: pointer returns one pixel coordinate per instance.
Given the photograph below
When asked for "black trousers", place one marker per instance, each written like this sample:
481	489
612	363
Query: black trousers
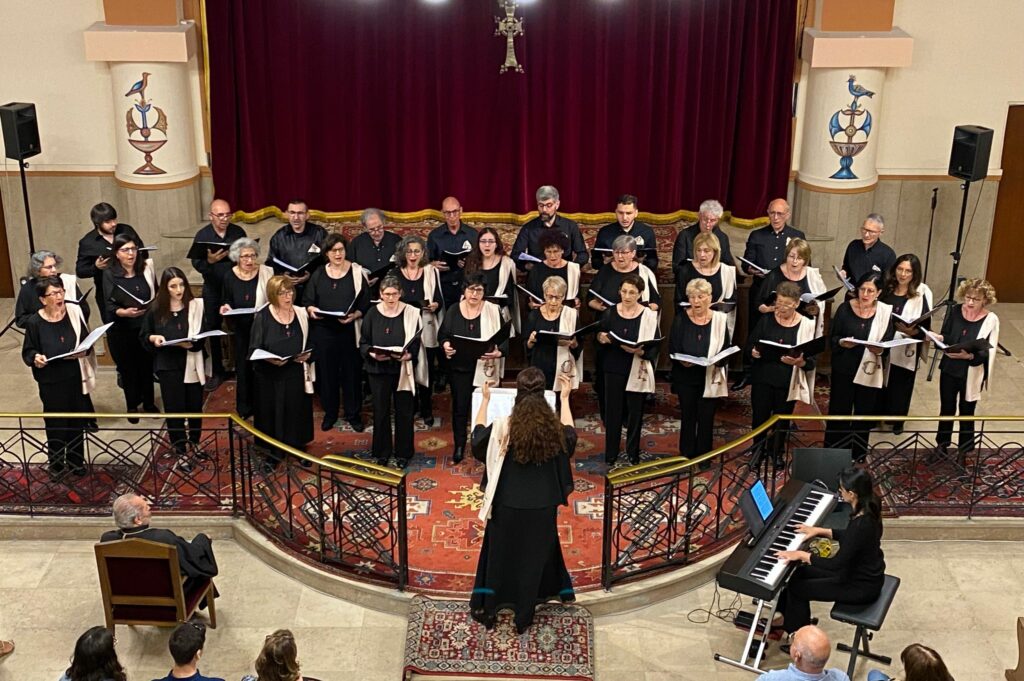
697	420
424	397
462	400
65	438
898	392
621	405
181	397
211	313
767	400
810	583
753	314
384	389
599	377
245	403
134	363
338	369
953	400
848	398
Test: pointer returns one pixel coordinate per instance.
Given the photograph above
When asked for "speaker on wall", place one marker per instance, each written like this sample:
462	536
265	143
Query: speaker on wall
972	145
21	132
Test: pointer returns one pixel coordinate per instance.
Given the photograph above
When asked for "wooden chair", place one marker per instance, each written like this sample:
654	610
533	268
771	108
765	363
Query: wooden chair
1018	673
142	584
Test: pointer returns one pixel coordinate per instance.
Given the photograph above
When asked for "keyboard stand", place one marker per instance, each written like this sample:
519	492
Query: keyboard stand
752	635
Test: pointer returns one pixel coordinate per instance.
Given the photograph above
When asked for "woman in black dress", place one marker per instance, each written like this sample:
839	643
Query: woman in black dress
488	259
555	244
553	357
45	264
336	288
628	371
528	477
244	290
779	381
393	325
179	367
910	298
130	285
64	384
473	317
795	268
707	264
855	573
963	376
699	332
857	375
421	287
284	407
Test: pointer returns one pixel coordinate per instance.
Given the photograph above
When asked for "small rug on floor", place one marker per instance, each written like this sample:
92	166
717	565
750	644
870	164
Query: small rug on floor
444	641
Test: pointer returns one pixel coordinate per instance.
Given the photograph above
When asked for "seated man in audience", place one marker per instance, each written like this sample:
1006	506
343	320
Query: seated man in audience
132	515
809	651
186	646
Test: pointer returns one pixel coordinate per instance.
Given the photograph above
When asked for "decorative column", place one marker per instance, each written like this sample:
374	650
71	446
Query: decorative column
848	52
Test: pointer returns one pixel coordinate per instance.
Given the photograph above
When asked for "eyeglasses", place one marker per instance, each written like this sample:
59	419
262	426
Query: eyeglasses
128	249
390	294
220	216
58	292
415	251
247	256
870	232
475	290
776	213
546	204
450	213
975	299
554	297
487	241
339	249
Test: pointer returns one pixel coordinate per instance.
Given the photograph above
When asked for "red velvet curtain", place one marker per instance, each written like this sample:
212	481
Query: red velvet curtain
398	103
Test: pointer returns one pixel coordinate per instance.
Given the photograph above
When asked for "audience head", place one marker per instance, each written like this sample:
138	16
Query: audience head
626	210
131	511
921	663
778	213
330	246
95	658
220	213
104	218
411	242
871	230
905	271
706	249
280	290
534	430
709	213
857	489
976	290
798	253
451	209
186	643
244	247
278	661
547	202
372	220
810	649
44	264
297	214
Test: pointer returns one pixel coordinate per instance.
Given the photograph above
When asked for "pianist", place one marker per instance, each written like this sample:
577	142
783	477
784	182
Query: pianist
855	572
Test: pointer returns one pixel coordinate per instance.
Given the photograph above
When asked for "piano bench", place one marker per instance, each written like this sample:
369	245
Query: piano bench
867	617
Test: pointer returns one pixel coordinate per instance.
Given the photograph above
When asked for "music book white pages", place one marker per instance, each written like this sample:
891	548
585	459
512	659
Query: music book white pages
243	310
502	401
846	282
195	339
526	257
705	361
69	299
260	353
530	293
894	343
140	301
601	298
86	343
753	266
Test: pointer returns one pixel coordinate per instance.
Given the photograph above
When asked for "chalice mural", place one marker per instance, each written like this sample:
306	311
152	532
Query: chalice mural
147	139
857	127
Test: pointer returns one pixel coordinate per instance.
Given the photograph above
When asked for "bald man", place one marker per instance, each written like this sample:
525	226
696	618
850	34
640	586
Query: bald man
454	236
213	266
809	652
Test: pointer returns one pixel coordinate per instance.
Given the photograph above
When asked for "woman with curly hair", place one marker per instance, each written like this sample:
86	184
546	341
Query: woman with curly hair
528	476
95	658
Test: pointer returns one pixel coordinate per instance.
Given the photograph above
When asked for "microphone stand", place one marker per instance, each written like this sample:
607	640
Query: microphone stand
931	227
956	254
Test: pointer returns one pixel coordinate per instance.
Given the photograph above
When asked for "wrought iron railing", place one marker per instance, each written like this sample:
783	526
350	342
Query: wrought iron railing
337	512
673	512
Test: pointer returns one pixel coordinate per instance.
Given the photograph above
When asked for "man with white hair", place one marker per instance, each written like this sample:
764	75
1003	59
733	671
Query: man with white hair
868	253
710	213
528	239
809	652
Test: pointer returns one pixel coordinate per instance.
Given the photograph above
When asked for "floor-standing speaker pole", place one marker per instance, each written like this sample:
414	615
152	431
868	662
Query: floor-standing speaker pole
28	212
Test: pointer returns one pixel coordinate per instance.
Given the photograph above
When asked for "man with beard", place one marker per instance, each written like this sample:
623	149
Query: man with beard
626	224
528	239
296	244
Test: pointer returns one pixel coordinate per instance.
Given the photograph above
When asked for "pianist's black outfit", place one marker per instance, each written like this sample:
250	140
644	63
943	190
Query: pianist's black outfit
697	413
853	575
133	362
381	331
213	275
169	366
240	294
847	397
858	261
621	404
60	390
283	409
296	249
521	562
953	380
335	346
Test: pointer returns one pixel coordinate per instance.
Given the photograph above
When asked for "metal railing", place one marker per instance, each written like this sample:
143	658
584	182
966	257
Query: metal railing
337	512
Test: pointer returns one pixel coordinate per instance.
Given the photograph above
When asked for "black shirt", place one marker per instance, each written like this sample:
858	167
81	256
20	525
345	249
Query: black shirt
772	371
641	231
455	324
334	295
92	246
772	281
294	248
959	330
441	239
49	339
384	332
544	356
688	272
858	261
682	250
688	338
176	326
28	303
283	340
413	290
373	256
606	283
113	282
767	248
213	274
540	272
616	360
239	294
529	485
528	240
847	324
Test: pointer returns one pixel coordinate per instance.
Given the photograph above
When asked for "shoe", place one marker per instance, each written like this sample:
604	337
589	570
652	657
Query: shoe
429	422
79	471
634	459
483	618
357	425
133	419
742	382
91	426
305	463
403	464
441	384
897	429
459	454
327	423
213	382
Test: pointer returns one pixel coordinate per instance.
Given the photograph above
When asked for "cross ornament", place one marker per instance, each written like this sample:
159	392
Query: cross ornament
510	26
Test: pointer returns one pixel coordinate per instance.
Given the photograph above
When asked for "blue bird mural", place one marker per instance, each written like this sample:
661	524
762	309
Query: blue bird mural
139	87
857	91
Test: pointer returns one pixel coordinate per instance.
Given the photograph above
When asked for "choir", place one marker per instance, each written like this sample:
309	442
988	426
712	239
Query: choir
407	317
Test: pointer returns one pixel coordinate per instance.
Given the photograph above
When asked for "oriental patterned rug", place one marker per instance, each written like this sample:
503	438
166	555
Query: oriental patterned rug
444	641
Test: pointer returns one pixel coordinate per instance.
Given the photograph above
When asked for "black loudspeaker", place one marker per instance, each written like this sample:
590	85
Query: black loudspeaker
972	145
21	132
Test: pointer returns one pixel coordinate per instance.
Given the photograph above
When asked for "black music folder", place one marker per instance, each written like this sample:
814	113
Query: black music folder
476	347
772	350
